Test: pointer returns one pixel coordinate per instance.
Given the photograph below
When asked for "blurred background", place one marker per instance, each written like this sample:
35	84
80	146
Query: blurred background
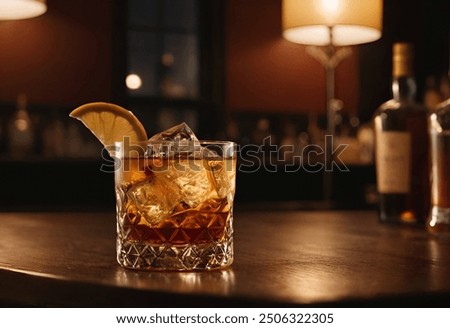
220	66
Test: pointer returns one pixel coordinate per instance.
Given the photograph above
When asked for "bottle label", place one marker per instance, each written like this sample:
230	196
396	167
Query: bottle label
393	153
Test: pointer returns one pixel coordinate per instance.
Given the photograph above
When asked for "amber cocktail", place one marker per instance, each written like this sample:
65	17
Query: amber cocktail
175	204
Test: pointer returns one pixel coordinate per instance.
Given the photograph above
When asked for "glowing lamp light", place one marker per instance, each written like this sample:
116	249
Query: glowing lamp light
323	25
133	81
353	21
21	9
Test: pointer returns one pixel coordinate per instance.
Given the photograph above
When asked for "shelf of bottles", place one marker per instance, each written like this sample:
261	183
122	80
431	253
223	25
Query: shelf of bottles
32	133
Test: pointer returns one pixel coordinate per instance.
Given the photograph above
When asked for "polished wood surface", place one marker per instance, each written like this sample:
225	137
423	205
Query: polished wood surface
283	258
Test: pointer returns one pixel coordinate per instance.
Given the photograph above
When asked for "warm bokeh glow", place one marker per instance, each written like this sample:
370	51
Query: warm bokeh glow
133	81
21	9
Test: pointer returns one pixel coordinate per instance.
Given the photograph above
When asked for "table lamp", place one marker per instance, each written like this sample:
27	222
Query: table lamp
21	9
323	25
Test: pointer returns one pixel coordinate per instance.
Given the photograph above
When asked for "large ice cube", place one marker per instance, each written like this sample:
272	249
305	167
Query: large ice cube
189	170
176	141
176	133
191	179
154	199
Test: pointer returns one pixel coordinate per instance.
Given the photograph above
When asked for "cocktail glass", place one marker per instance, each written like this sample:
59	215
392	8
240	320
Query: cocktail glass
174	203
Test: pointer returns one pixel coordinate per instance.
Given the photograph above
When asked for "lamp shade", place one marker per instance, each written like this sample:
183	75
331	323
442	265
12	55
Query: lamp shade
21	9
352	21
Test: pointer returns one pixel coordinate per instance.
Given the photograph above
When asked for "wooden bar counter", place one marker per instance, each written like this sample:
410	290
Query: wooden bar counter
282	258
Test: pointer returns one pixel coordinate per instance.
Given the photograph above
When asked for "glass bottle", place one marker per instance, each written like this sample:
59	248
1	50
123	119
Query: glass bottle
20	131
402	147
439	218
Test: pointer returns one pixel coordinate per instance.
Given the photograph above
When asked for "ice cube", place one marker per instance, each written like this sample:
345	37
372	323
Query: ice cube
179	140
154	199
220	178
176	133
190	177
188	170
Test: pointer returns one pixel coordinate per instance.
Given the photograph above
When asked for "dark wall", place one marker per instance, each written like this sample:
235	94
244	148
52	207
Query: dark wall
63	57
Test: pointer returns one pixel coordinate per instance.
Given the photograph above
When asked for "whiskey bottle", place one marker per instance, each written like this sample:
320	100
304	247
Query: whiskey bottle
439	217
402	147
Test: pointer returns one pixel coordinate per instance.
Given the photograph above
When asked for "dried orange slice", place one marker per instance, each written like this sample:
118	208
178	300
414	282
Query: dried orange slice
110	123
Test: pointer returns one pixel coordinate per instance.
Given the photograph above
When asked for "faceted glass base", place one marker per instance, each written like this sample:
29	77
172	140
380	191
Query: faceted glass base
207	245
189	257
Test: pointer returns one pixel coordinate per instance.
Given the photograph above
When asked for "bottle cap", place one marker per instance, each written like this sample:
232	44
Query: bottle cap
402	59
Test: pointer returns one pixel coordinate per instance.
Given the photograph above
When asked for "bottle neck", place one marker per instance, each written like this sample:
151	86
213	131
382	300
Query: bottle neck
404	88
